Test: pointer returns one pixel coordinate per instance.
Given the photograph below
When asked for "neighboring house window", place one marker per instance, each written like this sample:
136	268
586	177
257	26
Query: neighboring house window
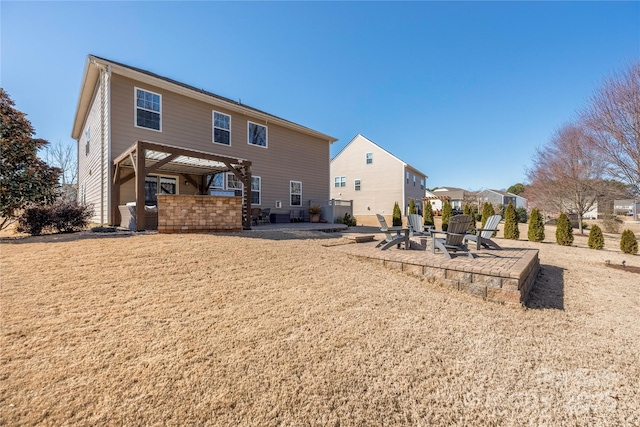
414	180
148	109
88	141
407	178
296	193
422	184
257	134
234	183
256	184
221	128
340	181
357	184
369	157
154	185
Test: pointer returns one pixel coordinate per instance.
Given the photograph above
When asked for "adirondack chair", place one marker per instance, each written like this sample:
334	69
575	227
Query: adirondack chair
390	239
483	236
454	240
416	225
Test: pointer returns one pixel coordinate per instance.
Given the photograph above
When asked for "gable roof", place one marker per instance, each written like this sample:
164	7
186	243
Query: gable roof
381	148
92	74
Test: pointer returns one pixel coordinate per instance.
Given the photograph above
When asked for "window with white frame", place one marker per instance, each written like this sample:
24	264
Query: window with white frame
256	184
414	180
155	184
356	184
221	128
295	193
148	109
422	184
369	158
340	181
407	178
216	182
257	134
234	184
87	143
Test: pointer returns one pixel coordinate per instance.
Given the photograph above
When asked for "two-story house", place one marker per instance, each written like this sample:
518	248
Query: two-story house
140	134
374	179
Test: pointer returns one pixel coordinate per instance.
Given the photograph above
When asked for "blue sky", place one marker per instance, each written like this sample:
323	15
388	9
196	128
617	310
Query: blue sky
463	91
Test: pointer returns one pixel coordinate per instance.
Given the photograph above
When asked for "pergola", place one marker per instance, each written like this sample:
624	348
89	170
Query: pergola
144	157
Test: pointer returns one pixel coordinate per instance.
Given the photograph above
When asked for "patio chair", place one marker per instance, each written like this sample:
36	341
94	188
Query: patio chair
483	235
454	240
390	239
417	226
255	216
265	216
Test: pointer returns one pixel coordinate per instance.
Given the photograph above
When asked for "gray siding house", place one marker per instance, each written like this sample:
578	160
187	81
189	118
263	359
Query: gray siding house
287	164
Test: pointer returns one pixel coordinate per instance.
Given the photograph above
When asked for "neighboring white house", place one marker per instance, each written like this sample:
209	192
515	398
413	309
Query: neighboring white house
437	197
501	198
374	179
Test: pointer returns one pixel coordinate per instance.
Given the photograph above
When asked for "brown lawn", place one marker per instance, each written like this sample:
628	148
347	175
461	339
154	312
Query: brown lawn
279	329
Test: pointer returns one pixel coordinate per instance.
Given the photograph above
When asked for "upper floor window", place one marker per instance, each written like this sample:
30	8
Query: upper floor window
87	141
414	180
422	184
407	178
340	181
369	157
357	184
257	134
295	193
221	128
148	109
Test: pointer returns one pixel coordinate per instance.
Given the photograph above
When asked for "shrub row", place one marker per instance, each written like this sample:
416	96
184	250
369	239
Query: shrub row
61	217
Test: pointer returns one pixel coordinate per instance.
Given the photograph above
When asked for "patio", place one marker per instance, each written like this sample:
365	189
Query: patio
503	276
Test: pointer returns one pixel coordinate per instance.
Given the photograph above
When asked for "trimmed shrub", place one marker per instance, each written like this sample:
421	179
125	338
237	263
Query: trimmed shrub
61	217
468	210
564	231
428	214
611	224
628	242
511	230
347	220
536	226
446	215
412	206
487	211
522	215
397	216
596	239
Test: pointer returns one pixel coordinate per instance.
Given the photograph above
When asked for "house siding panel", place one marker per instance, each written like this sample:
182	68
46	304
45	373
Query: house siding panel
187	122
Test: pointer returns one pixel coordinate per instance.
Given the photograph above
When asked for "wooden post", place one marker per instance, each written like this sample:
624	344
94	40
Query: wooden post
140	175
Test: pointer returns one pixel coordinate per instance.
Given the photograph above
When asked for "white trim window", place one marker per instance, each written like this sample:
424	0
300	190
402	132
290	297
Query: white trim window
257	134
148	110
369	158
356	185
295	193
422	184
340	181
407	178
414	180
234	184
156	184
256	187
221	128
87	142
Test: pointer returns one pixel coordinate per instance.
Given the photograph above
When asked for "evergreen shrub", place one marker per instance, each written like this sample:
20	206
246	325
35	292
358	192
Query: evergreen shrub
596	239
564	231
446	215
628	242
397	216
511	230
428	214
536	226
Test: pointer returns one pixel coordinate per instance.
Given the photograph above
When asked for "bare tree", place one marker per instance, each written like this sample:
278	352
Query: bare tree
613	122
566	175
63	156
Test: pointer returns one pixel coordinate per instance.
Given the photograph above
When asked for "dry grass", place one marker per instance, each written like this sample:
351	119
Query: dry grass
279	329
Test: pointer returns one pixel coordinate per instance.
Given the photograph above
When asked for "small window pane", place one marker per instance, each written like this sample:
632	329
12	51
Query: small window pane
257	134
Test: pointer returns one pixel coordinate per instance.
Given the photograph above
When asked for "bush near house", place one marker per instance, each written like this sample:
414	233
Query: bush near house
628	242
487	211
468	210
412	207
61	217
564	231
397	216
536	226
428	214
596	239
511	230
522	215
446	215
